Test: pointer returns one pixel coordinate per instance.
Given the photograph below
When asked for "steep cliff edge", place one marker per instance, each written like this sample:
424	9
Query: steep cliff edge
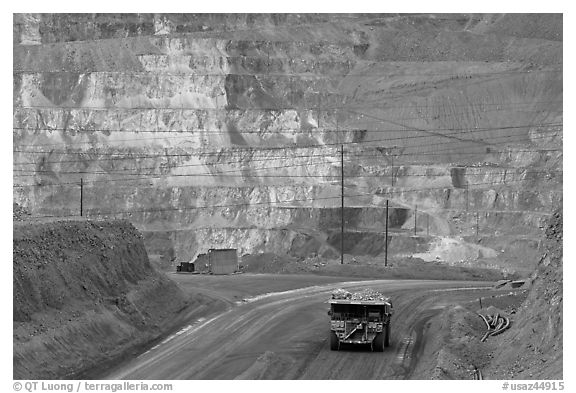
84	292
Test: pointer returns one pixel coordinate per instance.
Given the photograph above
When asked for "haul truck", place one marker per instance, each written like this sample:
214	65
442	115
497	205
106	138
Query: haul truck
355	321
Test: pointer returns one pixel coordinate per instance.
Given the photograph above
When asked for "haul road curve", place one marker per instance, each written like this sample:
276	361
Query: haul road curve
284	335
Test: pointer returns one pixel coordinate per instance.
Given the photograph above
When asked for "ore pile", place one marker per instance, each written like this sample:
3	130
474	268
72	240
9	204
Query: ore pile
341	294
365	294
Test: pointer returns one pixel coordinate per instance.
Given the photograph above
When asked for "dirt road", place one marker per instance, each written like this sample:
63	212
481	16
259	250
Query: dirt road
283	335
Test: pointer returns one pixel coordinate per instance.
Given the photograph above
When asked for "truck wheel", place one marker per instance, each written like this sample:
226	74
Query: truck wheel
334	342
377	343
387	336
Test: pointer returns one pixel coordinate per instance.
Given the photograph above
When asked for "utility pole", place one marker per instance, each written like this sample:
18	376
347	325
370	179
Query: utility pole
342	208
392	170
477	226
319	105
81	197
415	215
386	247
268	64
427	224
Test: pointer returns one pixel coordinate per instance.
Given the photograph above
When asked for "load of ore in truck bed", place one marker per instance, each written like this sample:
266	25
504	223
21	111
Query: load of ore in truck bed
365	294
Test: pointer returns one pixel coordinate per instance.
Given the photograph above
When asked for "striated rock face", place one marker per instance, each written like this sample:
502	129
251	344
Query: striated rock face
225	130
52	28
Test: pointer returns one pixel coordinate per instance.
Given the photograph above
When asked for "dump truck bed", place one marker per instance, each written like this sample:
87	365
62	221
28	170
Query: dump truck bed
363	297
361	302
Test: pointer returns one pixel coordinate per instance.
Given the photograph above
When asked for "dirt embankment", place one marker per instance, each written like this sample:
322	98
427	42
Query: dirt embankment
533	348
84	292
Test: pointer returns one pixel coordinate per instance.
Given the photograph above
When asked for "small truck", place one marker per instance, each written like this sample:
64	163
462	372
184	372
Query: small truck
360	318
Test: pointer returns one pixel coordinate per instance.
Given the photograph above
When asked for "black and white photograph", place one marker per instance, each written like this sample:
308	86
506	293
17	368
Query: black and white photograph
286	196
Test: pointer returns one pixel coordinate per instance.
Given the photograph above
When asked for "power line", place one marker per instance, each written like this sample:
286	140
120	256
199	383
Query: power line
269	203
450	151
208	174
439	152
431	132
186	155
463	115
92	152
188	132
435	154
325	75
509	171
244	176
185	134
202	207
300	132
366	155
276	109
240	173
447	135
324	108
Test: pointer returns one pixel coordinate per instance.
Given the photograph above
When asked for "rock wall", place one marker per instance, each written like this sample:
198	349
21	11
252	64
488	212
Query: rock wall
200	128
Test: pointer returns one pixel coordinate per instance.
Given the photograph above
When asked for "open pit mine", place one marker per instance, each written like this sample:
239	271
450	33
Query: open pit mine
328	151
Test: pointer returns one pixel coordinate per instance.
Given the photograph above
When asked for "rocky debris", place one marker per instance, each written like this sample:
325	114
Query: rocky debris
554	231
364	295
455	352
19	213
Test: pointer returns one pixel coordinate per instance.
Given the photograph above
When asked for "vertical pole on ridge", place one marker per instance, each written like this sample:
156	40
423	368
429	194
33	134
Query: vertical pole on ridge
477	226
81	197
415	216
342	207
386	248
